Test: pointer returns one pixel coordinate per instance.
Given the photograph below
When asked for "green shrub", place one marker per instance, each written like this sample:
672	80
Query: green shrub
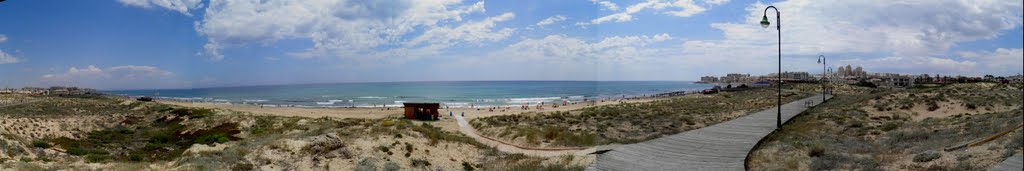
97	157
926	157
420	163
392	166
817	149
135	157
889	126
76	151
212	138
222	139
367	164
40	144
467	167
932	106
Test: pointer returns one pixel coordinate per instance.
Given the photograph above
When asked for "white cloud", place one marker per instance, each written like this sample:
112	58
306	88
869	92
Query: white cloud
7	58
717	2
916	28
678	8
904	33
343	29
182	6
116	77
559	49
1000	61
607	5
472	32
551	20
914	65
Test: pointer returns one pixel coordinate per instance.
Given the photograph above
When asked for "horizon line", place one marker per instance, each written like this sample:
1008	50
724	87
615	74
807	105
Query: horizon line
415	81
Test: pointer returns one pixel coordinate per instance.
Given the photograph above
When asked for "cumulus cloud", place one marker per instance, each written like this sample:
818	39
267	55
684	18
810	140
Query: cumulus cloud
8	58
344	29
559	49
903	33
182	6
473	32
1000	61
917	28
678	8
914	65
115	77
4	57
551	20
608	5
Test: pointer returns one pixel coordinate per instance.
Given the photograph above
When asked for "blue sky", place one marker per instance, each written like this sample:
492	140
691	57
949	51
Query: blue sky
144	44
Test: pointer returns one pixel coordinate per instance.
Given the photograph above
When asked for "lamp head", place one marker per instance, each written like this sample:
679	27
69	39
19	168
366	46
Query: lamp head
764	22
819	60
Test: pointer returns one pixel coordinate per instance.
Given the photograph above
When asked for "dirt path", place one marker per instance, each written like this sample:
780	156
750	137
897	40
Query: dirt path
465	128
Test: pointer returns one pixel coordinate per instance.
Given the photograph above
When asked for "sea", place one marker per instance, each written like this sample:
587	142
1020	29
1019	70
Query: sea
394	94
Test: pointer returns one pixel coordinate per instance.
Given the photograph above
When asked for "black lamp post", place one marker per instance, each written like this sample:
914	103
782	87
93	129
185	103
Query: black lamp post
765	24
821	60
830	77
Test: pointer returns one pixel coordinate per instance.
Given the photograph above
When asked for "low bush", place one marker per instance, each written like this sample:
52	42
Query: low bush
926	157
467	167
420	163
40	144
392	166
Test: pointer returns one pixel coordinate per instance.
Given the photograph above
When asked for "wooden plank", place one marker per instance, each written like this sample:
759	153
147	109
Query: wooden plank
1014	163
722	146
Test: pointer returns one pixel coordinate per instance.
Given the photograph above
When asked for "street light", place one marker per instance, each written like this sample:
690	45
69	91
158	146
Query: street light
831	77
765	24
821	60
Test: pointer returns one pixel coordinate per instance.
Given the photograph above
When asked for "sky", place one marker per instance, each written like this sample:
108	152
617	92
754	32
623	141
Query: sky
171	44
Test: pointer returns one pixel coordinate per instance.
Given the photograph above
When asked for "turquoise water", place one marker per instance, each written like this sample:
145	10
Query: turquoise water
453	94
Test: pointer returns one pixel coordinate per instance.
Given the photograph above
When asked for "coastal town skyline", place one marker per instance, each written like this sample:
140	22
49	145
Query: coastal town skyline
139	44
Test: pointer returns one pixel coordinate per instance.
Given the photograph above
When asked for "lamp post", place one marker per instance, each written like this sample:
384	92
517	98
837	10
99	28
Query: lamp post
765	24
821	60
831	77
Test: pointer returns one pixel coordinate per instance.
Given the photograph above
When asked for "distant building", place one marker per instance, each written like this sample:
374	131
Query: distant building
709	79
796	76
31	90
736	78
1016	78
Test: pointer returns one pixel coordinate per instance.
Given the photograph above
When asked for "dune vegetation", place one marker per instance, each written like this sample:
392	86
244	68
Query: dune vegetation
89	133
899	129
632	122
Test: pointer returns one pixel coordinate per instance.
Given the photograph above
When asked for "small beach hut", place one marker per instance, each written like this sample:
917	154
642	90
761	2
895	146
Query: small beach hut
422	111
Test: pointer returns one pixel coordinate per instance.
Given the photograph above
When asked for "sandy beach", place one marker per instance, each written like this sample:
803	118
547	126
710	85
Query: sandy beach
380	112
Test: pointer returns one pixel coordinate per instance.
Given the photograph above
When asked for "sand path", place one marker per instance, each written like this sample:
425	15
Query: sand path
465	128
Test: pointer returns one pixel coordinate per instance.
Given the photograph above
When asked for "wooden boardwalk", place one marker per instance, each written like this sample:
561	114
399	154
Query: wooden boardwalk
1014	163
722	146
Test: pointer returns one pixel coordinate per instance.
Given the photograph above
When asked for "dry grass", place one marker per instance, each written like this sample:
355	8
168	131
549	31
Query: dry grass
153	136
629	122
876	130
